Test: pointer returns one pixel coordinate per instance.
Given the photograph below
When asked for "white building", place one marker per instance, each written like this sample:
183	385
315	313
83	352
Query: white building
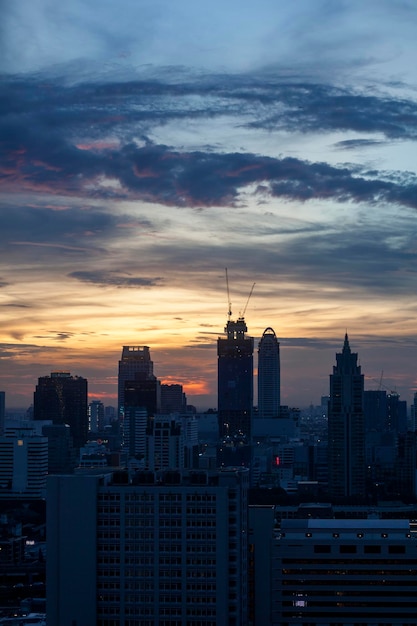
23	463
169	550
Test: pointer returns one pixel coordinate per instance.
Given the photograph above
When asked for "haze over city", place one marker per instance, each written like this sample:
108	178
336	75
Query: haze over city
147	146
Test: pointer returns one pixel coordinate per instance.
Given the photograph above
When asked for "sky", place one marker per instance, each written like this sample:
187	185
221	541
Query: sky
148	145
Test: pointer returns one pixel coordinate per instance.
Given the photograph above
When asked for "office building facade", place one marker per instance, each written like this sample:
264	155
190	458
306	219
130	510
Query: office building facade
269	375
344	572
346	427
169	549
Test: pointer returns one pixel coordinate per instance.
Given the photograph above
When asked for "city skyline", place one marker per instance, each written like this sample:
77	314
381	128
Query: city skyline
147	147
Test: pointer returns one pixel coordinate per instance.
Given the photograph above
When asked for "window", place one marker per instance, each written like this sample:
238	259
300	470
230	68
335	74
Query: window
322	549
347	549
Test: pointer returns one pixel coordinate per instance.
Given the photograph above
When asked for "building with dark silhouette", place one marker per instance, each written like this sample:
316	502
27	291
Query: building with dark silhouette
62	398
235	380
269	375
346	431
173	399
163	548
142	399
135	360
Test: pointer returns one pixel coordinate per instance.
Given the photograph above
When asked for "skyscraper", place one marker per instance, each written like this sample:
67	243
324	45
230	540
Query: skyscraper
135	360
62	398
23	464
235	380
346	427
269	382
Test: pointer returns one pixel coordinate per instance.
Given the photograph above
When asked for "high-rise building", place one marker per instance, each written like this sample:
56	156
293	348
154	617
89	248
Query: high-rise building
23	464
62	398
235	380
135	360
96	416
269	375
346	429
166	549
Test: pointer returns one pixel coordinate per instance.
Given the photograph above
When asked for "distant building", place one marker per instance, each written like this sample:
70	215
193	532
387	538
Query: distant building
96	416
344	571
375	410
346	428
142	399
23	464
62	398
167	549
173	399
269	375
135	360
62	458
171	442
235	380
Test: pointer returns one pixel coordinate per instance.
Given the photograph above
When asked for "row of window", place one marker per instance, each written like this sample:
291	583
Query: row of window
353	549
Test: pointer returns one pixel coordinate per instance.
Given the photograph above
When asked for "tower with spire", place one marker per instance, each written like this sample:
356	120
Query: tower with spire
346	432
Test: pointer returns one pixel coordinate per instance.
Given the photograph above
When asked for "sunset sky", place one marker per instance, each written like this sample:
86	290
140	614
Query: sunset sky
146	145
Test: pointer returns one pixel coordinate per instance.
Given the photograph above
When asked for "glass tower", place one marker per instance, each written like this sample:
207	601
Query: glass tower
269	384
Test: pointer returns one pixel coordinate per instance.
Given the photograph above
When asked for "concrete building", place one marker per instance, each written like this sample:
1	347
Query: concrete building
346	427
269	375
344	572
171	442
235	380
23	464
169	549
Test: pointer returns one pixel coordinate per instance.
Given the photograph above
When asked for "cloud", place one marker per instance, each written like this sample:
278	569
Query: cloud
92	140
114	279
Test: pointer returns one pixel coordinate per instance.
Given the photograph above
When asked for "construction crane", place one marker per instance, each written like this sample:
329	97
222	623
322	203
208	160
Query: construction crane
247	301
229	312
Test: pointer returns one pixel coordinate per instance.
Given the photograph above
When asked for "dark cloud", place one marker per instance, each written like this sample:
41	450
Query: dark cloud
157	173
114	279
59	336
78	140
354	144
